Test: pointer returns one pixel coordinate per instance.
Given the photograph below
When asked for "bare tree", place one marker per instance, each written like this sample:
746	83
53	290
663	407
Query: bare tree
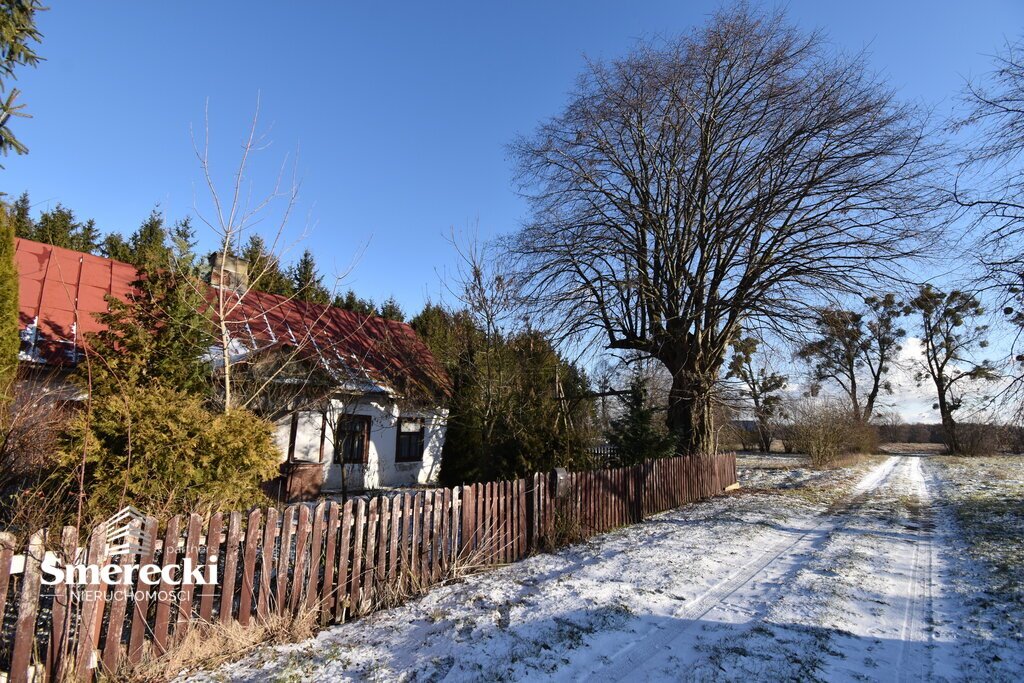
996	116
990	186
235	214
738	172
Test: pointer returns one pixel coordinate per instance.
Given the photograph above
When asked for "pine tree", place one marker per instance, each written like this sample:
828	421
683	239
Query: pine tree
307	282
634	435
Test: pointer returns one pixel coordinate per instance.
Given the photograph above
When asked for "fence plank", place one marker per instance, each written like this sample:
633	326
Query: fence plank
164	601
7	547
61	610
284	558
367	597
88	631
327	594
316	556
415	558
424	544
186	591
118	607
396	527
384	525
140	609
298	567
227	590
253	532
436	536
213	558
271	529
358	527
28	608
344	596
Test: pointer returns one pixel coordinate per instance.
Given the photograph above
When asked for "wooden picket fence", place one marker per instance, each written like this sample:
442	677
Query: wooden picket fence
337	560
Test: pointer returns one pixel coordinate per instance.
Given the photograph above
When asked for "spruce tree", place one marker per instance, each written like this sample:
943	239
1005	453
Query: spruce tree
60	228
21	214
265	274
161	333
351	302
308	282
634	435
390	310
18	32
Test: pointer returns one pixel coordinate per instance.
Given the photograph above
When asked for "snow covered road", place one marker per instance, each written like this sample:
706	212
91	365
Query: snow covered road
835	575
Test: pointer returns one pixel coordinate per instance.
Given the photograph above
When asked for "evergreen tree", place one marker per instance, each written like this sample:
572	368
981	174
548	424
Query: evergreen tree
307	281
21	215
116	247
148	246
515	404
265	274
59	228
390	310
351	302
17	34
634	434
9	340
161	332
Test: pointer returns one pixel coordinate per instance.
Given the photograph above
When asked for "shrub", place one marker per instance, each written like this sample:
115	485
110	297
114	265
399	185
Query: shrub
824	430
161	450
980	439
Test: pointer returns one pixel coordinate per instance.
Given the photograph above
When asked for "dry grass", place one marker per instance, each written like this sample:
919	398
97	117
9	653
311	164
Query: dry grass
209	645
987	494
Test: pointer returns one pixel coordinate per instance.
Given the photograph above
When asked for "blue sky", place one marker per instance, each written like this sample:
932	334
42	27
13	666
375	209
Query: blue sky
400	112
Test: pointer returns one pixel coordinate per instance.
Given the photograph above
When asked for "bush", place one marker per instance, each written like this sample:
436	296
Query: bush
824	430
980	439
162	451
29	441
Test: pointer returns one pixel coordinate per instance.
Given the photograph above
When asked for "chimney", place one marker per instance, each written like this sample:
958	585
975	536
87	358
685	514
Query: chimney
230	271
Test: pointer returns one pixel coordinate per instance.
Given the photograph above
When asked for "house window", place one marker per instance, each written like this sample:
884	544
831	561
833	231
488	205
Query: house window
352	440
410	440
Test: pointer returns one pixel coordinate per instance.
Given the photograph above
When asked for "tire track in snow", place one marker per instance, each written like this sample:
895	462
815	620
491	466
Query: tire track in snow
791	553
917	616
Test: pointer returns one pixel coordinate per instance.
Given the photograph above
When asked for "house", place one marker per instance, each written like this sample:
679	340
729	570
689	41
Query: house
358	400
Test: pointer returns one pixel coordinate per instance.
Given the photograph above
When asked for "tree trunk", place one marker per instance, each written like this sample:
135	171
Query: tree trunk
948	423
690	413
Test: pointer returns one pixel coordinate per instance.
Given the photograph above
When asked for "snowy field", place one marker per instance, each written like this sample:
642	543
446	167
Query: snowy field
894	568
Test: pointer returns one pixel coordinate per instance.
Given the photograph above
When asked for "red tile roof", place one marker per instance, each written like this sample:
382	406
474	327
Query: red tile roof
62	290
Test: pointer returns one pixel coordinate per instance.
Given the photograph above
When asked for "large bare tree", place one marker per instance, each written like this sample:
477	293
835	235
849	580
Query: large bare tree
738	172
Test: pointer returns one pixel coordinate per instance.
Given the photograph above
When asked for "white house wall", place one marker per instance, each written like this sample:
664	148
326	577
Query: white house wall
380	470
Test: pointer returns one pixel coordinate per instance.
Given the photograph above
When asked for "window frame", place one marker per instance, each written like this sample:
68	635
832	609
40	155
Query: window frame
342	460
422	439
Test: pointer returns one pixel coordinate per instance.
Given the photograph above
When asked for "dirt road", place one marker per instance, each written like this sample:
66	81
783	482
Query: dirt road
841	575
